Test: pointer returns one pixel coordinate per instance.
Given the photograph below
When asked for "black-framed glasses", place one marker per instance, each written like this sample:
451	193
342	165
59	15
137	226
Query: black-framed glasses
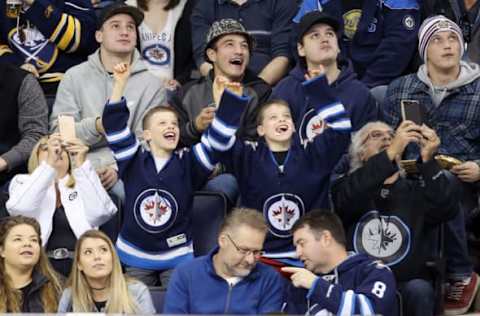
246	252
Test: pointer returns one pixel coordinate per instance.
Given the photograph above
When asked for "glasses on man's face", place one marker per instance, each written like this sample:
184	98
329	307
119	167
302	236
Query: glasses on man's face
246	252
376	135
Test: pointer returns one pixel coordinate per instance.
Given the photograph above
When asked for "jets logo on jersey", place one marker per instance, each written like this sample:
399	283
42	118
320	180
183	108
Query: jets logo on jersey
155	210
312	125
281	212
384	237
34	48
157	54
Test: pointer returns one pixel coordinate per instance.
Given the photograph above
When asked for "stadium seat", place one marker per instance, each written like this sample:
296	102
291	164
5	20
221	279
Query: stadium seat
113	226
158	297
208	211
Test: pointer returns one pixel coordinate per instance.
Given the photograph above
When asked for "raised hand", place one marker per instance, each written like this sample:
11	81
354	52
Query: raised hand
54	148
220	84
429	143
406	133
77	151
121	72
313	73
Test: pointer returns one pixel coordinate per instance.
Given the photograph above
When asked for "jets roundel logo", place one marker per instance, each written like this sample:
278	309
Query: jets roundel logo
157	54
312	125
384	237
155	210
282	211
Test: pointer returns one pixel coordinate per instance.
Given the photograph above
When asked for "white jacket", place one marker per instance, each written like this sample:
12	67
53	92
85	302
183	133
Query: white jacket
87	205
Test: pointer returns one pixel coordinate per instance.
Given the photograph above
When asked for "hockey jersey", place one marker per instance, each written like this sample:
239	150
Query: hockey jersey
156	232
284	193
358	286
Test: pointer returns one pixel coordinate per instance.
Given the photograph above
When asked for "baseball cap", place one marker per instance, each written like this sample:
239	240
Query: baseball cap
315	17
118	8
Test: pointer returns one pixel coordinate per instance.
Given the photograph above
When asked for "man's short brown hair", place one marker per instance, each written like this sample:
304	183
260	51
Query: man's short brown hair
244	216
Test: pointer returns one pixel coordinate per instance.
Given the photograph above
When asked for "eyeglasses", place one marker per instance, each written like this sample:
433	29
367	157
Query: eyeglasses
376	135
246	252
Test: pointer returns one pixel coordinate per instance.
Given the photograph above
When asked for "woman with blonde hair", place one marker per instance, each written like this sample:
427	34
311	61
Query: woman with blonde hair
63	192
28	284
97	284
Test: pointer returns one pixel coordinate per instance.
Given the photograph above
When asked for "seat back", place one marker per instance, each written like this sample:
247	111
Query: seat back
158	298
208	211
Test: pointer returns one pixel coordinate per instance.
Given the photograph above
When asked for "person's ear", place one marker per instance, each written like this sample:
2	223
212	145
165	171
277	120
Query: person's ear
301	50
260	130
222	241
99	36
212	54
147	135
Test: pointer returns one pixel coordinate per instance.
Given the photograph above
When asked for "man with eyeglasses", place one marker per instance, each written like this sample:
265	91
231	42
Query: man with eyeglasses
391	217
229	280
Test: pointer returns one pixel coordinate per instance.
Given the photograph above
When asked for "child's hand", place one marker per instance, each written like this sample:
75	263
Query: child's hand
219	85
121	72
313	73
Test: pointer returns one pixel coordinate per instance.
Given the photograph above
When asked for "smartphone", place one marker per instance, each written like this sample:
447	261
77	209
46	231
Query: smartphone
412	111
66	125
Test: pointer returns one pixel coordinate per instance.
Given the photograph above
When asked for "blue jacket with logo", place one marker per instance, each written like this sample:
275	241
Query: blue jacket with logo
385	40
156	232
284	193
358	286
195	288
351	92
56	35
393	222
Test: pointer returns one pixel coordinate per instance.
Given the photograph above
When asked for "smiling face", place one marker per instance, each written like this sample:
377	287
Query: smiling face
161	130
443	51
230	56
276	125
95	259
319	45
118	35
21	248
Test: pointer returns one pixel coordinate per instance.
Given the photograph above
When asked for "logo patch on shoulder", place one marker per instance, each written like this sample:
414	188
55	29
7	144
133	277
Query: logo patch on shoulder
386	238
312	125
409	22
155	210
282	211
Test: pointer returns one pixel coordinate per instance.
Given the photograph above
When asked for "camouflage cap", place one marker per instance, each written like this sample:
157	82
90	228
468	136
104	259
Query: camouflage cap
225	27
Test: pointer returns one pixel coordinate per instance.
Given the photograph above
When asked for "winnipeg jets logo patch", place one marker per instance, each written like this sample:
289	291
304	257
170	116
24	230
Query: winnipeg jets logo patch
282	211
312	125
157	54
384	237
155	210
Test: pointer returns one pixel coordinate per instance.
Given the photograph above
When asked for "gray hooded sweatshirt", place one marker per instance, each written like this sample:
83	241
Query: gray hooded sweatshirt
468	73
84	91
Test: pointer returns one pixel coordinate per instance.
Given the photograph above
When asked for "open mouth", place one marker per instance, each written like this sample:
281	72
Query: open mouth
237	61
282	128
26	253
99	266
170	136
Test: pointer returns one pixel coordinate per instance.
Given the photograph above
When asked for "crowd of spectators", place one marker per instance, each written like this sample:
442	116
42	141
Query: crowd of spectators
344	134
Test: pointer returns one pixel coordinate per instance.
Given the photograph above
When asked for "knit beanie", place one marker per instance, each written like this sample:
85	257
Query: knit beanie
433	25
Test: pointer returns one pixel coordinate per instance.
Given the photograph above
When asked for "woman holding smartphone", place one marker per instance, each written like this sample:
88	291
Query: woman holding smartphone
97	284
63	192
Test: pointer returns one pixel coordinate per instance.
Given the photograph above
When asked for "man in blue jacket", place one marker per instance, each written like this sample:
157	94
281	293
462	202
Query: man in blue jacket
229	280
317	45
335	282
379	36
